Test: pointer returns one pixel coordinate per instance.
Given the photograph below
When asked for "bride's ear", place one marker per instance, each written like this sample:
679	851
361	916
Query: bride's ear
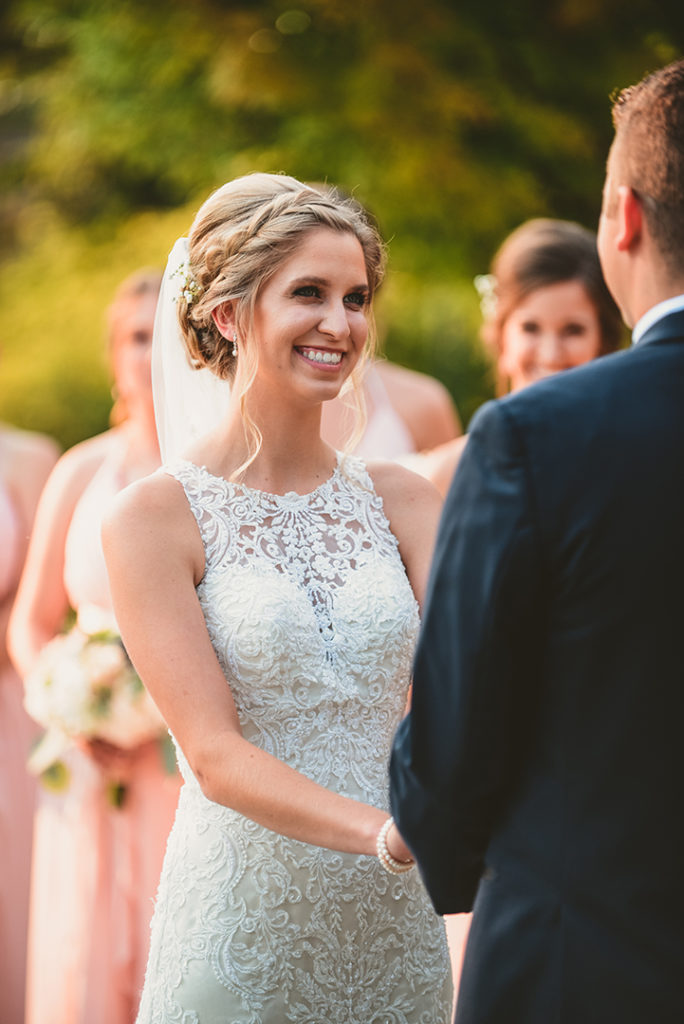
224	318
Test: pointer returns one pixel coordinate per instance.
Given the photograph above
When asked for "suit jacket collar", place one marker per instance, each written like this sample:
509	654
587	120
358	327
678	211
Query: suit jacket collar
670	326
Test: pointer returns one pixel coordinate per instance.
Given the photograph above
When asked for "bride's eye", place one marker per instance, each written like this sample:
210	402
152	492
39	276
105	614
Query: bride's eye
308	291
357	299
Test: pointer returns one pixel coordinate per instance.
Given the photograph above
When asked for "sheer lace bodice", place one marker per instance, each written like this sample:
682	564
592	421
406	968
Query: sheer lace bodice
306	628
313	621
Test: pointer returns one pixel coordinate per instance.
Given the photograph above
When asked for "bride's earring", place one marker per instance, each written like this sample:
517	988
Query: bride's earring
235	348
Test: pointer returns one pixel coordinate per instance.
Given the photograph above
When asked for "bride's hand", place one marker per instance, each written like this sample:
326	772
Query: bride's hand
396	845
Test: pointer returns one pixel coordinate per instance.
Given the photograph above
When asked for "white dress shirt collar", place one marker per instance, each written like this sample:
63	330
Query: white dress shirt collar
654	314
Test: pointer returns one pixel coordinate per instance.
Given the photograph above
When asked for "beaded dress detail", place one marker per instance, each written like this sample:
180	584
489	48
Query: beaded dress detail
314	622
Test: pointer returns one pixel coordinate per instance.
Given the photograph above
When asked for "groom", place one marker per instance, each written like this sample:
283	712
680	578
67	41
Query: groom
540	772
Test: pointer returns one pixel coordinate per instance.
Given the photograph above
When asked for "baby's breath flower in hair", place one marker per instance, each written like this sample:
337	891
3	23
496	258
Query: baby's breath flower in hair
190	289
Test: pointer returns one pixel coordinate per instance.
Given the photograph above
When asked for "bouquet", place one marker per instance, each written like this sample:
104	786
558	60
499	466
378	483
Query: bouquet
84	685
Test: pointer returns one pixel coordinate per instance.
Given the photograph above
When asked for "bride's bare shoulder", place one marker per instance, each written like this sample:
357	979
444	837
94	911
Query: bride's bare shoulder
393	481
154	510
407	497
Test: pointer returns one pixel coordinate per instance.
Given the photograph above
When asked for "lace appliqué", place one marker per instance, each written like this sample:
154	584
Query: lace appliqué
314	622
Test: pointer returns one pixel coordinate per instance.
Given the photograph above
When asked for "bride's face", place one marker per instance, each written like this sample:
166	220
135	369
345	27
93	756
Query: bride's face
310	320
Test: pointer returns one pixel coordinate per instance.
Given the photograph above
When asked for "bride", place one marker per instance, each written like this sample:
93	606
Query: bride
267	589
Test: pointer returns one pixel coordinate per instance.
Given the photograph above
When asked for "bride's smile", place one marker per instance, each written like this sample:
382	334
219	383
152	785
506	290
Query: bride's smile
310	320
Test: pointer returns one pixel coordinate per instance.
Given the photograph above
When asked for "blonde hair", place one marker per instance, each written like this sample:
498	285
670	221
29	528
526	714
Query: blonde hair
240	237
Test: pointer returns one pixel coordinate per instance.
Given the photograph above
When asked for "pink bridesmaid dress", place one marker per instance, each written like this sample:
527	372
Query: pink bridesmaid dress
386	435
17	795
95	867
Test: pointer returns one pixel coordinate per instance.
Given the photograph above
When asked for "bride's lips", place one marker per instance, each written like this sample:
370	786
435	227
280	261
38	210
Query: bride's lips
321	358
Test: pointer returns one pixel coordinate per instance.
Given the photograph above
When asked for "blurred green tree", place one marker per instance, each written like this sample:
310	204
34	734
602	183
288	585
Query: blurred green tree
453	122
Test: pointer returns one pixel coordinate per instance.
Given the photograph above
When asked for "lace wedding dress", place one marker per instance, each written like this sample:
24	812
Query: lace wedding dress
313	620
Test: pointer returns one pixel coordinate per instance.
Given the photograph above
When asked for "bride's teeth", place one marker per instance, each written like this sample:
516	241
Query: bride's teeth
322	357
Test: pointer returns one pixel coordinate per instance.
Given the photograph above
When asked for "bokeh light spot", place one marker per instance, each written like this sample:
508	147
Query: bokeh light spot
293	23
265	40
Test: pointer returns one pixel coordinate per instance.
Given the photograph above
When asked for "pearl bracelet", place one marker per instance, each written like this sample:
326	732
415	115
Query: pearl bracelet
390	863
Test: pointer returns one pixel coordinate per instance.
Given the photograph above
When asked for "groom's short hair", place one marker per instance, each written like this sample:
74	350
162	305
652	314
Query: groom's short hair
649	144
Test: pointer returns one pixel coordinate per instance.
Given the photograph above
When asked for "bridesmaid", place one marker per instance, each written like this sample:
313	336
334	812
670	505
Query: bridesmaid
96	866
545	309
25	462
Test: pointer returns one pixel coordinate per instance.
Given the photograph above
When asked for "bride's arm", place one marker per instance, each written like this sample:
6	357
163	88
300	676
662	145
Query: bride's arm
413	506
155	559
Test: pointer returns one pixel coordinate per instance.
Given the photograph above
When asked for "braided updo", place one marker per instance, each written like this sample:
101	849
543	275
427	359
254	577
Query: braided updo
240	237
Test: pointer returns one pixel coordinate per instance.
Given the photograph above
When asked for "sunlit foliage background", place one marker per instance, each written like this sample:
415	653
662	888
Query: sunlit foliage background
453	121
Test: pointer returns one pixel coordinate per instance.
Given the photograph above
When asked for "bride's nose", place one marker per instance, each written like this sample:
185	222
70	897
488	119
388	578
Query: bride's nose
334	321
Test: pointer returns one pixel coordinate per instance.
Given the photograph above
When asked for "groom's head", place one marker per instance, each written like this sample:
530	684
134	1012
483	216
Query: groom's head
643	201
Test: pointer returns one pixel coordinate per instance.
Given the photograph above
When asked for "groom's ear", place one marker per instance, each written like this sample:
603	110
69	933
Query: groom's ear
224	318
630	218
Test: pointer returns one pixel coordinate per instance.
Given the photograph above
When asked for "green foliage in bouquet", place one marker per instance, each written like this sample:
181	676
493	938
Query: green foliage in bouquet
83	687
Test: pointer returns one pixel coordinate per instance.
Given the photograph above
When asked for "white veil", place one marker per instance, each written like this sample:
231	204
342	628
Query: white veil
187	402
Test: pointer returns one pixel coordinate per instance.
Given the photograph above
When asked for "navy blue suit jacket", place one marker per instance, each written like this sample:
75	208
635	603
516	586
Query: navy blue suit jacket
540	772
